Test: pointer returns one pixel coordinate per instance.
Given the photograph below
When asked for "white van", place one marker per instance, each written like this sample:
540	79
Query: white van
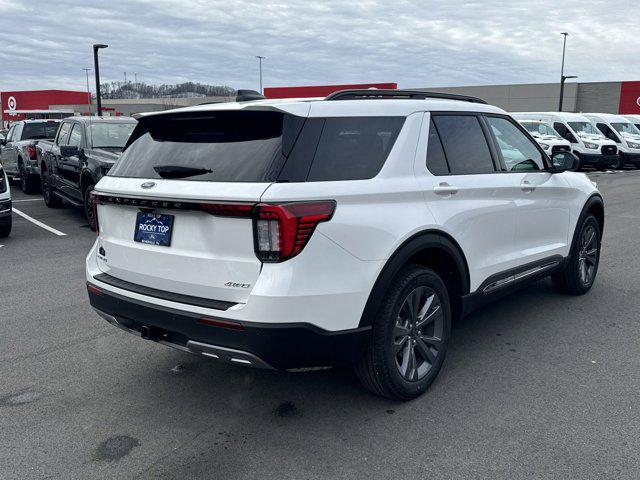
635	119
543	133
587	142
622	131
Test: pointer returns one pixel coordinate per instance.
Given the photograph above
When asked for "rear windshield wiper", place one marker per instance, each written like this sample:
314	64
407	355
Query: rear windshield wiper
179	171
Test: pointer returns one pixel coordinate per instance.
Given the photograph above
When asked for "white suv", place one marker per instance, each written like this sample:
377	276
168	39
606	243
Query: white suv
310	233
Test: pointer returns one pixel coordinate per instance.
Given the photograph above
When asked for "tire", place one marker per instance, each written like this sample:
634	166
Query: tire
5	228
579	273
88	207
618	164
398	338
51	200
28	183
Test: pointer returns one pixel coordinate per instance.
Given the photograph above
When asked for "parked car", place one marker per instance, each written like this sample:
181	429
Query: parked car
19	156
622	131
635	119
543	133
84	149
587	143
302	234
5	204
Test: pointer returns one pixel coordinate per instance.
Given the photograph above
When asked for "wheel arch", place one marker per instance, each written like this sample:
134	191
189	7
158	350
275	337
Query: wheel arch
450	263
86	178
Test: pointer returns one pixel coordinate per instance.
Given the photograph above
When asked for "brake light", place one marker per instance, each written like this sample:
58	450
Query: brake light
94	198
31	151
283	230
242	210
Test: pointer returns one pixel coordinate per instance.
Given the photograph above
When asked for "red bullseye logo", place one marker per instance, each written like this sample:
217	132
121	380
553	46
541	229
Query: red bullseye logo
638	101
11	103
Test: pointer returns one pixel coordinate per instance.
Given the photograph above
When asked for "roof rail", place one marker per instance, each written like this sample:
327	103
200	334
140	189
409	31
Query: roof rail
374	94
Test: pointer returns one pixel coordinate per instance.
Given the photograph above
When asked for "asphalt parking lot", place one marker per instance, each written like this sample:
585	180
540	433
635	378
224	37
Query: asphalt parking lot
539	385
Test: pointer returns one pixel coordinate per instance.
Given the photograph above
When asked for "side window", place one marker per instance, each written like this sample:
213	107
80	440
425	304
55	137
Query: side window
436	159
17	132
564	131
607	132
518	152
75	138
63	133
354	148
10	134
464	143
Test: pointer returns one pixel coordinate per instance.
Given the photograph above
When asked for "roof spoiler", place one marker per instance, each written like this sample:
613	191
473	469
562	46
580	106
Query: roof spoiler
375	94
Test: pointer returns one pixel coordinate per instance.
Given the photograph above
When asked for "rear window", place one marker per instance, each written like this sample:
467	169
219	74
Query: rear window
250	146
218	147
39	130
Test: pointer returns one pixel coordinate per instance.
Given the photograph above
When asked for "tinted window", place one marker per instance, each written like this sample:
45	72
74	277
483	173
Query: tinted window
607	132
39	130
75	138
354	148
113	135
519	153
215	146
436	159
63	134
464	144
10	134
564	131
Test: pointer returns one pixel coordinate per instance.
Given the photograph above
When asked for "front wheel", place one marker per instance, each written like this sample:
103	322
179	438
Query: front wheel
578	275
618	163
88	207
410	336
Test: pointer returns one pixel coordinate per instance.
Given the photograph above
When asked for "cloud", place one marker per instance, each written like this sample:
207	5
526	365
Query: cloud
430	43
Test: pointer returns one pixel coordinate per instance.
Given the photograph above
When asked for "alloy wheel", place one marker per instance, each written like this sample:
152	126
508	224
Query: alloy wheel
588	255
417	334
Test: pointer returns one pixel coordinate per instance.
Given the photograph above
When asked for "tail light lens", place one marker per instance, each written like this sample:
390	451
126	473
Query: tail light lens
283	230
31	151
94	198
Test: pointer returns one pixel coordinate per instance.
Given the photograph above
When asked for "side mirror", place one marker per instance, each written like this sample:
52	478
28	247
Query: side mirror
563	161
69	150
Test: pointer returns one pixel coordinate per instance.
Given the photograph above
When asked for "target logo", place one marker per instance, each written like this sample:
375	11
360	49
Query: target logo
638	101
11	103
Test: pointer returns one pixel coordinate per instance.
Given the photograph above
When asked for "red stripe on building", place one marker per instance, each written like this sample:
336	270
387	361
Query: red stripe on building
630	98
320	90
38	100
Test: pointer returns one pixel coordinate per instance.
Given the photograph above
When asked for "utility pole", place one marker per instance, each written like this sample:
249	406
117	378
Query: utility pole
97	47
86	71
562	75
125	77
260	58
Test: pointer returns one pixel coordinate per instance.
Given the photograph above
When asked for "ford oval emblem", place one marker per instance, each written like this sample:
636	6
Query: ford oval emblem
147	185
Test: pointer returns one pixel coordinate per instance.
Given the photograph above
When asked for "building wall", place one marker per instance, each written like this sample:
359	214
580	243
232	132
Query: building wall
534	97
598	97
630	98
38	100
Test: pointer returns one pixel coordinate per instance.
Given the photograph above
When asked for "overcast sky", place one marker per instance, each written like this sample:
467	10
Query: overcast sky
45	44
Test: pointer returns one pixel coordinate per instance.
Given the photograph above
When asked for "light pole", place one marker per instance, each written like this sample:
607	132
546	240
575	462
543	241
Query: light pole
96	47
260	58
86	71
562	75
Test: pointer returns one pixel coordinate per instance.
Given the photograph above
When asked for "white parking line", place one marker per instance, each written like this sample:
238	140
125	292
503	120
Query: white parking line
29	200
39	223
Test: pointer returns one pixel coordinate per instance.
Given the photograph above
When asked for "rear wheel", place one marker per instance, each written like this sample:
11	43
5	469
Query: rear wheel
28	183
410	336
88	207
617	164
51	200
578	275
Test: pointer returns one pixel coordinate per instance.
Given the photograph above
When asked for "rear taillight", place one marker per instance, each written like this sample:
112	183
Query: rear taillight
31	151
94	198
282	230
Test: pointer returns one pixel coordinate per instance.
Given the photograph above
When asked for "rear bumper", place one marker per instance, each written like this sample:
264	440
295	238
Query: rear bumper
264	345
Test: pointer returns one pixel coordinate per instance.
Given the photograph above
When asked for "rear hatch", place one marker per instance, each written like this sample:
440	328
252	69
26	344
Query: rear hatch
173	212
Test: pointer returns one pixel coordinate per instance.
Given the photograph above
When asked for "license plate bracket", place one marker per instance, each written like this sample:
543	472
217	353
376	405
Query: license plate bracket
153	229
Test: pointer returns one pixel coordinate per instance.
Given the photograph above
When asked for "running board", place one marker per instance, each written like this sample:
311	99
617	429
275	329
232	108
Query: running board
67	198
503	282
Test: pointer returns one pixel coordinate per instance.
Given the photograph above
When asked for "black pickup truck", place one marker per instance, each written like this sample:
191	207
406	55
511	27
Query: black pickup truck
85	148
